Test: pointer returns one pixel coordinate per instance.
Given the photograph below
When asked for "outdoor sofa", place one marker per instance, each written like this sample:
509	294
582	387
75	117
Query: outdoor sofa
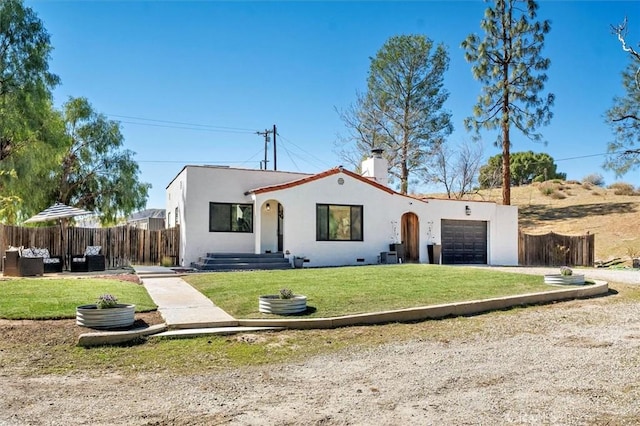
28	262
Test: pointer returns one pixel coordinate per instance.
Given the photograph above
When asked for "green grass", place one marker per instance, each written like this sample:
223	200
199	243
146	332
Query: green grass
36	298
360	289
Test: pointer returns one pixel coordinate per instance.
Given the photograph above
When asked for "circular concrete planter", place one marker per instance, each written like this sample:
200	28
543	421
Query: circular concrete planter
121	315
273	304
563	279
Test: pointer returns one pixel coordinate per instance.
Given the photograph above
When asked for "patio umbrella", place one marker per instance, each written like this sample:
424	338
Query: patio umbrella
58	211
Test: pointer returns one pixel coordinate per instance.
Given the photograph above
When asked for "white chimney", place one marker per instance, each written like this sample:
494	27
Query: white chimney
376	167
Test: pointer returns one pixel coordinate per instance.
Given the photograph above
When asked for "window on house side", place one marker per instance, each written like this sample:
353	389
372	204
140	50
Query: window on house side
338	222
226	217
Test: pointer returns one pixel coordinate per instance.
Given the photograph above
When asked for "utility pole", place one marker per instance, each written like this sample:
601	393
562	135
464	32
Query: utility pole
266	134
275	159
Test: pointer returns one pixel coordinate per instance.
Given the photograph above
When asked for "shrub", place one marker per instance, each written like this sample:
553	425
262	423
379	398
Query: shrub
594	179
286	293
623	188
547	188
633	252
166	261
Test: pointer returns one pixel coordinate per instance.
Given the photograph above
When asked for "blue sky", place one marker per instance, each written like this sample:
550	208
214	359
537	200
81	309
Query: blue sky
192	82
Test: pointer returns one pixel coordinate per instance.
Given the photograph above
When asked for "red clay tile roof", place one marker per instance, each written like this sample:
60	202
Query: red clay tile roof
324	174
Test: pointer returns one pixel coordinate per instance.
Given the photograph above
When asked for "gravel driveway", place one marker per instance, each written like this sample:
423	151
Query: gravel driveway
627	276
570	363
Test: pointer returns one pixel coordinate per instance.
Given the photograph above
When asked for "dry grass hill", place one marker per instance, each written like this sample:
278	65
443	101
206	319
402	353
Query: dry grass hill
575	208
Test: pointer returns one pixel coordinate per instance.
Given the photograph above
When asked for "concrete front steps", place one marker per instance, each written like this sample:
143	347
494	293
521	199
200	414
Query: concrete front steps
241	261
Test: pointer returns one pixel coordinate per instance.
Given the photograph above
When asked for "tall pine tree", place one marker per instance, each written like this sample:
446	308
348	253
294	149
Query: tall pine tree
509	62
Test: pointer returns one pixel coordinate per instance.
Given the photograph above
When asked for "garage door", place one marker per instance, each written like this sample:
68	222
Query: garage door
464	242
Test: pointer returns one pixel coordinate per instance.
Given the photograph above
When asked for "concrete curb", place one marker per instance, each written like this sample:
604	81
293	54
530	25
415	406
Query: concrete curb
436	311
100	338
402	315
218	331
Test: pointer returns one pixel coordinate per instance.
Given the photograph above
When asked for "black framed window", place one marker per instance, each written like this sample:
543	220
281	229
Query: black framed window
227	217
338	222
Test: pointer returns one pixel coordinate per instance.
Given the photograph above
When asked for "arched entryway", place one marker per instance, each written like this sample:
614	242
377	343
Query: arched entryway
272	227
410	229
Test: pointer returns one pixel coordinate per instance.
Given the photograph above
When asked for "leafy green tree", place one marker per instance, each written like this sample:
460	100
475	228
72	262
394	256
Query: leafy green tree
33	168
25	104
96	173
25	80
624	116
509	63
402	111
526	167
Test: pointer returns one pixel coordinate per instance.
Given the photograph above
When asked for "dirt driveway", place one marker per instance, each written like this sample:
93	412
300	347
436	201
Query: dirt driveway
571	363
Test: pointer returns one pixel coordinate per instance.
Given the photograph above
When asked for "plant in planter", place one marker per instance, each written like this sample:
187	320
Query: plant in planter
284	303
566	276
106	301
286	293
106	313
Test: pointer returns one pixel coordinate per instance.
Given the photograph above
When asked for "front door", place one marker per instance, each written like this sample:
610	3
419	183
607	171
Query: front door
411	237
280	228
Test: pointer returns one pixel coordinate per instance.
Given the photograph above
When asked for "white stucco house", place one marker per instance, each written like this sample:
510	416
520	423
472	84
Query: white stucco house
332	218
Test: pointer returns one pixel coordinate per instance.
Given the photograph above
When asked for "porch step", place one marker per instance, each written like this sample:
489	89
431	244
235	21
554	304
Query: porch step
241	261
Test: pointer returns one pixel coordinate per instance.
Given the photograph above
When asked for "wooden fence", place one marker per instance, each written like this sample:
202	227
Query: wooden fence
121	245
556	250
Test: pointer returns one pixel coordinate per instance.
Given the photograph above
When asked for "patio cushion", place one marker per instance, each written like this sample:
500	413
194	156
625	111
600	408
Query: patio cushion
27	253
51	260
40	252
92	250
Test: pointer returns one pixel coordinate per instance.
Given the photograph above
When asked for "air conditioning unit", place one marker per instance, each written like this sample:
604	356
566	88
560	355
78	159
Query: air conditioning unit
388	257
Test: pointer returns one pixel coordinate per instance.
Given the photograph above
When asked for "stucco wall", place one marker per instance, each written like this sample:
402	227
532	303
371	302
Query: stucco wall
299	204
195	187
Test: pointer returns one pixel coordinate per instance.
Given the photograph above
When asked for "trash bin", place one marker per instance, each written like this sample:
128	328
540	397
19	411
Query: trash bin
433	250
399	249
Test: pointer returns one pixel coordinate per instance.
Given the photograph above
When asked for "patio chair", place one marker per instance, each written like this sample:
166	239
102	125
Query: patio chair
22	263
90	261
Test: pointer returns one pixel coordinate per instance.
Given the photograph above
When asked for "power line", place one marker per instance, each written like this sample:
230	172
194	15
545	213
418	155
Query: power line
190	125
306	152
184	128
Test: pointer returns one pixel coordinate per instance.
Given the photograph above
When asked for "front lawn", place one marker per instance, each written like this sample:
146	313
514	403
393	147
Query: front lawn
359	289
43	298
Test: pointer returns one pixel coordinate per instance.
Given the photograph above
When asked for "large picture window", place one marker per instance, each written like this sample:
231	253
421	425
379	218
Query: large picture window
338	223
226	217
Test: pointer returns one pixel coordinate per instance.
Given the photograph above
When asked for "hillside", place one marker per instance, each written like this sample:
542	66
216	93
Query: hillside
573	208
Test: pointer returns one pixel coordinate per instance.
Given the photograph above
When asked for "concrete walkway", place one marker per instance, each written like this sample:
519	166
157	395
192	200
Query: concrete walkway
181	305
